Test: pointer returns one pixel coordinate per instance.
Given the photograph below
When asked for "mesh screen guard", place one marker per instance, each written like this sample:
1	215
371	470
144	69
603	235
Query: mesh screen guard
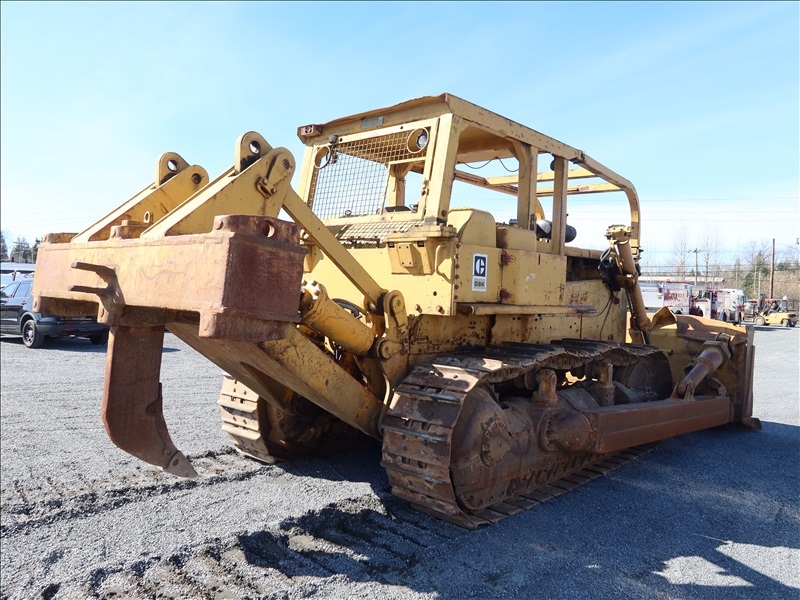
352	179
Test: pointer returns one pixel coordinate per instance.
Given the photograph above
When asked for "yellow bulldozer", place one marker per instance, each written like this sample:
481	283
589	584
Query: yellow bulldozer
499	363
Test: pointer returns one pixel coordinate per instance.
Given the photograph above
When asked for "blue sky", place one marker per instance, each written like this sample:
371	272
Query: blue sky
698	104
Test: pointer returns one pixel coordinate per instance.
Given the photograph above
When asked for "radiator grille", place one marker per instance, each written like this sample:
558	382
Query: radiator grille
354	178
373	232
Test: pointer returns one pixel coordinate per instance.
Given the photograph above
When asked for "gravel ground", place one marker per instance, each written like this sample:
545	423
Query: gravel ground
707	514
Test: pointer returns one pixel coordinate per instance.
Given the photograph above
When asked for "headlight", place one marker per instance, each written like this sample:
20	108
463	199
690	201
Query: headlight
417	140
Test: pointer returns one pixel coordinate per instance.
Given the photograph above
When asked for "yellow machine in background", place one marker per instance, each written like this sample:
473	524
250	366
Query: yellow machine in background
495	361
771	311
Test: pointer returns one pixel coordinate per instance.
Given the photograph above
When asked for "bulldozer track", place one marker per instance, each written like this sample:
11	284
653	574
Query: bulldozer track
418	429
247	422
239	411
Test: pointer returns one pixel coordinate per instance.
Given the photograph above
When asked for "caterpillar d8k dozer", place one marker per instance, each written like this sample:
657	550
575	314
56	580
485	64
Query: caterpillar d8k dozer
496	362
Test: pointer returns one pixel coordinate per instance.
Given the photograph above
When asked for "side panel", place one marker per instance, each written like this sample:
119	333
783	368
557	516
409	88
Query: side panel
436	335
534	278
607	324
424	294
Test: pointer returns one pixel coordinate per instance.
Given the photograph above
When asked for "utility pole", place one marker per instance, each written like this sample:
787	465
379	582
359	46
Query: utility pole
772	272
695	265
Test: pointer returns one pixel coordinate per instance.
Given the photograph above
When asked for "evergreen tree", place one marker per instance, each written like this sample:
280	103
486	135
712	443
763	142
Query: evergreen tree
21	251
3	247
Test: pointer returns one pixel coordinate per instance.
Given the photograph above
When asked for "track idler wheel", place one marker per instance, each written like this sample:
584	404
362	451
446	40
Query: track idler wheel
647	379
481	443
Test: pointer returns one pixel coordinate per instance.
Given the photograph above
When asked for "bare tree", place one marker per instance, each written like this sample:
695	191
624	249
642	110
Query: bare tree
737	273
680	250
646	263
709	251
787	274
788	256
756	258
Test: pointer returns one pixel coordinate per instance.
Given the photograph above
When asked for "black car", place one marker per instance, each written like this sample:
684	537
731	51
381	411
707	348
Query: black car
18	318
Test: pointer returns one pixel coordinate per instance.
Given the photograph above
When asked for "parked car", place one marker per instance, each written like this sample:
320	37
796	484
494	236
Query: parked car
18	318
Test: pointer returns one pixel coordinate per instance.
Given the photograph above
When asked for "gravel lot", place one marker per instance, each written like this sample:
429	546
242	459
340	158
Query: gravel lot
704	515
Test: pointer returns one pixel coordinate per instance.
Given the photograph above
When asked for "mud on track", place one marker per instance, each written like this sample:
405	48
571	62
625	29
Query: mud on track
708	514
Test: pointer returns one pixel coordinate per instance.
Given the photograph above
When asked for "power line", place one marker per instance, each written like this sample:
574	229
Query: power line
718	199
764	266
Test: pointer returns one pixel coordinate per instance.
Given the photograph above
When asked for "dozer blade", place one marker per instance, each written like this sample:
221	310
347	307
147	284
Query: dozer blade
132	403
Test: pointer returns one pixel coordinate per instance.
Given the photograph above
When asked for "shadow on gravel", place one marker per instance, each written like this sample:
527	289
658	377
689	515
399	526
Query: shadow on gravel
359	461
703	517
716	522
367	540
